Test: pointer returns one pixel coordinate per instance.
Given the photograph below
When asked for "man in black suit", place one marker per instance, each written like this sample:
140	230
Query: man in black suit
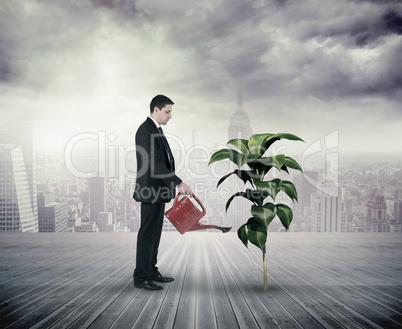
156	184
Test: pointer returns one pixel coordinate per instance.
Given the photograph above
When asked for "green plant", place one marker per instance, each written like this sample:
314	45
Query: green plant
251	154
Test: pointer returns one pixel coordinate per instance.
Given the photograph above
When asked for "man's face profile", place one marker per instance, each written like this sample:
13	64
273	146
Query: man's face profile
163	115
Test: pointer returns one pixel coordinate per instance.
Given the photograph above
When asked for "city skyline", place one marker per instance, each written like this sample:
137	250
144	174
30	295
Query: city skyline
306	68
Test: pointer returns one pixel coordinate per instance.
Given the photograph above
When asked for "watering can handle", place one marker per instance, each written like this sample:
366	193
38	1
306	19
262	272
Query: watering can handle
196	199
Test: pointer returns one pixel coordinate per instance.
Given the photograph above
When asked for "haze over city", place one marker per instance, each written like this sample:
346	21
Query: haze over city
306	67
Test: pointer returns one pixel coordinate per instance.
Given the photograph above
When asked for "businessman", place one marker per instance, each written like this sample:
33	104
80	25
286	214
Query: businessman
155	186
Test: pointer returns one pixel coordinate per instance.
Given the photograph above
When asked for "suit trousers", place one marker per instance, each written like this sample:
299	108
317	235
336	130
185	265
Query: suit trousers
148	239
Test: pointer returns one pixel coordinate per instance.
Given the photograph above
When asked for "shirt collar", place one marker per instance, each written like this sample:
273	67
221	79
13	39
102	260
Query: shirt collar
155	122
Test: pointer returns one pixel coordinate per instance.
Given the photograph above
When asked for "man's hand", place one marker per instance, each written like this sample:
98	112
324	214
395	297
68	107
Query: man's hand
185	189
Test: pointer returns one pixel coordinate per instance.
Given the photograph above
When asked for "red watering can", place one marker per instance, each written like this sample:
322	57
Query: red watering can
185	216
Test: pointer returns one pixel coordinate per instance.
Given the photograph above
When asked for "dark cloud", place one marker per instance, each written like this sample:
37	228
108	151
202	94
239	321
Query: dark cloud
273	47
393	22
383	24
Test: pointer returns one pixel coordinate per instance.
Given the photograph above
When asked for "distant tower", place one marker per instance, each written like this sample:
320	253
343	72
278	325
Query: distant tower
398	211
16	208
239	127
97	197
239	122
52	214
20	133
197	153
377	213
327	213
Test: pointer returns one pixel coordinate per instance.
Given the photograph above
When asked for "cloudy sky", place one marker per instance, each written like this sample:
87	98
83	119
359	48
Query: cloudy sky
308	67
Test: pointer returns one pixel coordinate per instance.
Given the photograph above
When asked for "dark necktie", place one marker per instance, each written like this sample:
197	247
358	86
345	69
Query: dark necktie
168	149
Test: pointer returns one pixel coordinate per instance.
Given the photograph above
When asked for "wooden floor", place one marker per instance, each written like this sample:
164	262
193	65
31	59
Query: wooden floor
84	280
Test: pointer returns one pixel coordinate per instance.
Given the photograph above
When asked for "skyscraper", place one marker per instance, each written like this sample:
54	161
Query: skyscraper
97	197
377	213
16	208
52	215
239	127
327	214
398	211
20	133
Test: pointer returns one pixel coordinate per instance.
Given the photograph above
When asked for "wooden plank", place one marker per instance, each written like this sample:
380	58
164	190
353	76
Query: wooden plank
205	316
79	304
337	289
125	317
349	286
167	313
293	311
45	308
242	312
315	280
27	260
240	269
53	288
186	310
128	311
332	306
171	263
225	312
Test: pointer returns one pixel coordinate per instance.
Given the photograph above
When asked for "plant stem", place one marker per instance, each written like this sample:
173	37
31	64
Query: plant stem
264	256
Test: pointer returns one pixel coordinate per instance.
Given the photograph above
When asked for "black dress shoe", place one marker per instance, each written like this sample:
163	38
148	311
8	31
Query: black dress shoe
148	285
161	278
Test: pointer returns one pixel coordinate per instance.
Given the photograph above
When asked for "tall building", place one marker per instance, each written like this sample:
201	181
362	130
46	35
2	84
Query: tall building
239	127
306	188
20	133
398	211
327	214
377	213
16	208
52	215
104	221
97	197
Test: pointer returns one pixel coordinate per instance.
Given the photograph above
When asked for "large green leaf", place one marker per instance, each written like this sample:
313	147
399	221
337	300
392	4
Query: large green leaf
292	163
285	214
258	169
272	139
270	188
241	144
223	154
288	136
289	189
242	234
222	179
254	196
264	215
219	155
247	158
256	143
273	161
259	143
256	234
244	175
243	194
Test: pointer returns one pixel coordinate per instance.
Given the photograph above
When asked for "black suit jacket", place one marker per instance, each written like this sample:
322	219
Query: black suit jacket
155	181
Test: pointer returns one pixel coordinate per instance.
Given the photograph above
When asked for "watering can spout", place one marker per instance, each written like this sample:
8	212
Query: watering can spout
185	216
225	229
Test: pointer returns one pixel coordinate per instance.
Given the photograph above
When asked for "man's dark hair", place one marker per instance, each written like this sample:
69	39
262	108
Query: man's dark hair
160	101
